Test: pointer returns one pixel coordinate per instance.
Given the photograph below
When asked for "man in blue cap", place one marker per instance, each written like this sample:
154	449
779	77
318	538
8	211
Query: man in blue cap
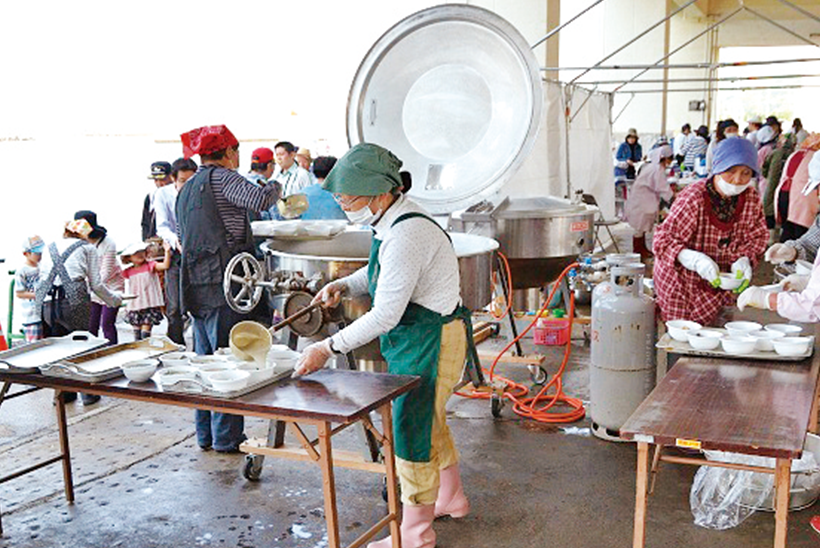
413	280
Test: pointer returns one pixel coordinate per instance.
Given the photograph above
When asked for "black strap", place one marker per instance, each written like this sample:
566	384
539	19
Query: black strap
412	214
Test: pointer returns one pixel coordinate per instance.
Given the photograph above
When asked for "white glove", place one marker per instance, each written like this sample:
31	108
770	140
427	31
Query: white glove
701	263
313	358
331	294
754	297
780	253
795	282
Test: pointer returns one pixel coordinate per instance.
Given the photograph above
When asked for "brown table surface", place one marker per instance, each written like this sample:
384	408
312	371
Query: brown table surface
753	407
326	395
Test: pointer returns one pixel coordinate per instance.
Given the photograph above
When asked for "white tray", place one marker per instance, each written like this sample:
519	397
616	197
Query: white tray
200	387
676	347
28	358
104	364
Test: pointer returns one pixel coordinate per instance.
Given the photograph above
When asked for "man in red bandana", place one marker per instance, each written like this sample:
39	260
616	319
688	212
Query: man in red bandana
212	220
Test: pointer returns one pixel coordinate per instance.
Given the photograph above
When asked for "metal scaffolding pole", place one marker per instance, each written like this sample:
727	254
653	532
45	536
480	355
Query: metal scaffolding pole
685	65
801	10
703	79
560	27
635	39
693	90
781	27
677	49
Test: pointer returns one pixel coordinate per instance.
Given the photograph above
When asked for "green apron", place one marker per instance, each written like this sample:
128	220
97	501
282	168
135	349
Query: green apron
412	348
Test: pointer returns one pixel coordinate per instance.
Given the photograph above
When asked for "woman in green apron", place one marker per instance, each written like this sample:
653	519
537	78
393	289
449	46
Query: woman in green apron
413	280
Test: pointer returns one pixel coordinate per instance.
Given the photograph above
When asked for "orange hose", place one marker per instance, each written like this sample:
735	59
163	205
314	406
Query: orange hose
528	407
509	288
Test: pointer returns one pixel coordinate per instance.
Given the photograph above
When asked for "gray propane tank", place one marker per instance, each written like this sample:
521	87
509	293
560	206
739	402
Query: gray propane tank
613	259
622	361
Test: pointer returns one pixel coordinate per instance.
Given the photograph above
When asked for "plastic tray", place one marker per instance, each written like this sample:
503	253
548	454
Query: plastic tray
28	358
676	347
200	387
104	364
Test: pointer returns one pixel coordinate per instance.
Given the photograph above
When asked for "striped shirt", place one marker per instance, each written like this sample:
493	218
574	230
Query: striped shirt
110	271
694	148
234	196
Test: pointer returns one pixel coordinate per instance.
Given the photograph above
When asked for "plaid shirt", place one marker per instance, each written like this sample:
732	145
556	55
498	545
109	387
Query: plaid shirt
692	224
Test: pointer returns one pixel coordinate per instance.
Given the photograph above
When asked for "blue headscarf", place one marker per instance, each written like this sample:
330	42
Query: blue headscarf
734	152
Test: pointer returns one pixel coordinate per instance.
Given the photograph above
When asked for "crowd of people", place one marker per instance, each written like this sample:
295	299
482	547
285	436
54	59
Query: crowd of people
781	166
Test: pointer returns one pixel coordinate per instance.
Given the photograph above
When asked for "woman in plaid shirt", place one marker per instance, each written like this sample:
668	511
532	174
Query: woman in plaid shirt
715	225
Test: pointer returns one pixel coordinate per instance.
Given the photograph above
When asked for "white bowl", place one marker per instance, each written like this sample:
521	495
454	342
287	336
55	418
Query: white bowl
177	373
792	346
176	358
739	329
764	339
680	329
227	381
738	345
729	282
280	351
801	267
787	329
705	339
139	370
258	373
208	369
200	361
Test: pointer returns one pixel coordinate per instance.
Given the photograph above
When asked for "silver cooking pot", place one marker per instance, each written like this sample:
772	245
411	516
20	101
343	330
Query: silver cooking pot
349	251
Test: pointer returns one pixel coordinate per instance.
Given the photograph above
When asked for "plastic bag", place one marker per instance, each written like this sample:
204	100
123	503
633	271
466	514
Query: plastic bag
722	498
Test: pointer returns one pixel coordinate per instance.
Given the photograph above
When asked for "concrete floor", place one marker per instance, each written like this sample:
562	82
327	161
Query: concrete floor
141	481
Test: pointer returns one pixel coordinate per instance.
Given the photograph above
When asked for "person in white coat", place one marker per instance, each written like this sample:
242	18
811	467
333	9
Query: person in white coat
801	300
650	187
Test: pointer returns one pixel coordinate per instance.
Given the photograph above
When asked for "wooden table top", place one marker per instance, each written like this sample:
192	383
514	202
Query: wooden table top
326	395
754	407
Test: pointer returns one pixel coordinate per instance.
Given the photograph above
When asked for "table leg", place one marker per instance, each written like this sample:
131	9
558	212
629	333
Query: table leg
62	426
782	483
328	485
813	418
639	535
390	465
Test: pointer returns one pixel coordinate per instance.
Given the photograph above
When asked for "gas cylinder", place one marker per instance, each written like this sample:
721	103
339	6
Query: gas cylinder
622	357
613	259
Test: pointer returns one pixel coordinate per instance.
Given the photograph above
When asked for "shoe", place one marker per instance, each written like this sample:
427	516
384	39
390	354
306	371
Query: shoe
416	528
69	397
205	447
451	500
90	399
814	522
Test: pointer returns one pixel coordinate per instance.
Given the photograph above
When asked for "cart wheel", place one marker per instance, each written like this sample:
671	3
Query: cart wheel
496	405
538	374
252	470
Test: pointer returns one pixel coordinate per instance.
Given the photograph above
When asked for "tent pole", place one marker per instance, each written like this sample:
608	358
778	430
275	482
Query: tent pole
665	99
635	39
801	10
694	90
560	27
726	79
781	27
685	65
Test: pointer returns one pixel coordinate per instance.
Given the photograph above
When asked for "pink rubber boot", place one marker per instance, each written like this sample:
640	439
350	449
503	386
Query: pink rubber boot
416	529
451	500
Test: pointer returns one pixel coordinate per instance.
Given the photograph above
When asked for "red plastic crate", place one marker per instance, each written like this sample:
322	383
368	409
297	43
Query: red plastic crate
551	331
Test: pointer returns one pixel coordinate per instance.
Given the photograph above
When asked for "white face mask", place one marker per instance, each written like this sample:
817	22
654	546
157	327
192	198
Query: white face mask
363	216
728	188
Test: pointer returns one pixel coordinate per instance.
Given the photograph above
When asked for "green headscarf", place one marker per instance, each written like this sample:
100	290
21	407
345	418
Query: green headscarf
365	170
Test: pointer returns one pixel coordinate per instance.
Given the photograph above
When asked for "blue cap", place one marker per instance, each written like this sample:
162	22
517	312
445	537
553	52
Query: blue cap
734	152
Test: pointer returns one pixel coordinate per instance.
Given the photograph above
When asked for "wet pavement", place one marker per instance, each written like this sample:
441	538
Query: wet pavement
141	481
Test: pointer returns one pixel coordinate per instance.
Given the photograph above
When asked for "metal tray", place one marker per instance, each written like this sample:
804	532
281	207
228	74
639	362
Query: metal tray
30	357
201	387
672	346
104	364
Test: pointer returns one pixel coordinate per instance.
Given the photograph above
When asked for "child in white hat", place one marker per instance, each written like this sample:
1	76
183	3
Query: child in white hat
142	281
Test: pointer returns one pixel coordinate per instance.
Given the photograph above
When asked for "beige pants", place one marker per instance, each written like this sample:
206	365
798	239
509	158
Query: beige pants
419	480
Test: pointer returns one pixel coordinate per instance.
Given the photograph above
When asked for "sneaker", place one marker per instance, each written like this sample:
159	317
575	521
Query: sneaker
90	399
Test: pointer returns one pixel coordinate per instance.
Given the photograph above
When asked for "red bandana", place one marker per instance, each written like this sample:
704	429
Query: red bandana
207	140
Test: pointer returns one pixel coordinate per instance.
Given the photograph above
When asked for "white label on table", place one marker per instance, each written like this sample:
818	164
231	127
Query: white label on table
643	438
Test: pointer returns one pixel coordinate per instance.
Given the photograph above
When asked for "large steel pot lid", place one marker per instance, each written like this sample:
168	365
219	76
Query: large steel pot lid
537	207
455	92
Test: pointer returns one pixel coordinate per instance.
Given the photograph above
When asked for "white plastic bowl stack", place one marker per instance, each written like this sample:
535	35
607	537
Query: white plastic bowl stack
680	329
280	357
787	329
705	339
176	358
174	374
742	329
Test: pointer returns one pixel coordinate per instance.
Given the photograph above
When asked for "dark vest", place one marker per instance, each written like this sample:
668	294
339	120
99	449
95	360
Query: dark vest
205	249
